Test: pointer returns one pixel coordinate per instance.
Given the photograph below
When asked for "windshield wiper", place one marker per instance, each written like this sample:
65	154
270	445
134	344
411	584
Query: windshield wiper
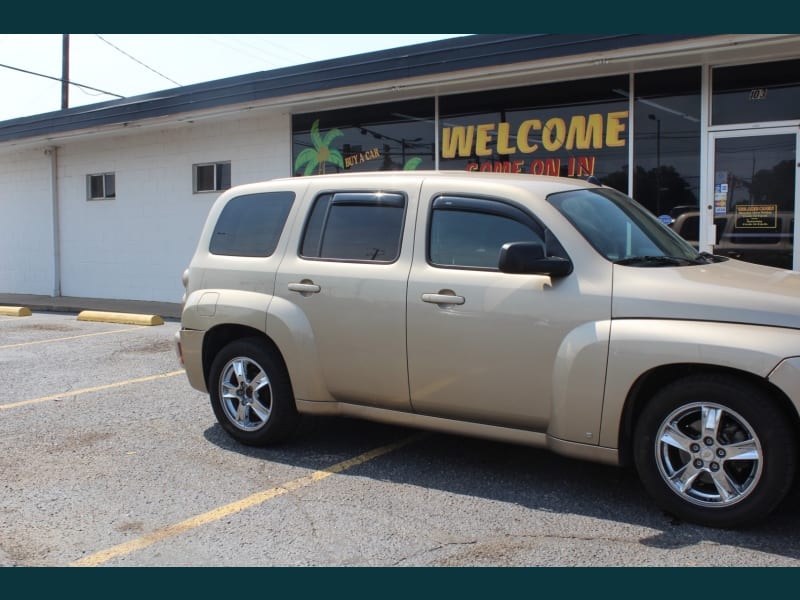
657	261
711	258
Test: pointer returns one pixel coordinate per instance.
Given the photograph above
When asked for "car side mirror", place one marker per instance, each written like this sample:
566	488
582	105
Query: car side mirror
529	258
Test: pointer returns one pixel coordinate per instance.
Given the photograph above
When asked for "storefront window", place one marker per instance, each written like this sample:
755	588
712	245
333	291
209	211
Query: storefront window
756	93
572	129
380	137
666	148
754	197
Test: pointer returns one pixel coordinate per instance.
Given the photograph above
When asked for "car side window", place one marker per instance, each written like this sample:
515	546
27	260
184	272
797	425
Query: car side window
356	226
250	225
470	232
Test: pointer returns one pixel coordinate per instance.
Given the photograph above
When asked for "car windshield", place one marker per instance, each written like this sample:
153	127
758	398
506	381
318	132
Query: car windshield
624	231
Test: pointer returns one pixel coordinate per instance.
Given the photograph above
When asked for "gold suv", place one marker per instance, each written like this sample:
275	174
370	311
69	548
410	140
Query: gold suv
542	311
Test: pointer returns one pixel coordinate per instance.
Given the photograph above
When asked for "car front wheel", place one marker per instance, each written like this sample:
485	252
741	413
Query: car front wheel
715	450
251	393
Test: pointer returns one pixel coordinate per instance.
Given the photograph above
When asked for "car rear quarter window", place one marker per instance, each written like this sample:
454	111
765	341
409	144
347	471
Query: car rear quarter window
251	225
359	226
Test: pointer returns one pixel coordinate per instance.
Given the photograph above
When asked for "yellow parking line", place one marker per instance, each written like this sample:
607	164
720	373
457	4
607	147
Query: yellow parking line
98	388
158	535
71	337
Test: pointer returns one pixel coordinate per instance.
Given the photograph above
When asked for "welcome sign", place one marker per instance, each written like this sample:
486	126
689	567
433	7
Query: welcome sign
593	131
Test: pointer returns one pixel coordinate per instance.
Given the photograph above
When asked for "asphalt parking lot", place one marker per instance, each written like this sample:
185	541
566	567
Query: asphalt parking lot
109	458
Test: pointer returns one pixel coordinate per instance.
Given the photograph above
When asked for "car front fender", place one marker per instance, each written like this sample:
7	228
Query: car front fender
786	377
638	346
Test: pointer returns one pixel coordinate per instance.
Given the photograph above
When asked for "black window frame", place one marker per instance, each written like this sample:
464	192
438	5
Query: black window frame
219	184
374	198
105	179
498	207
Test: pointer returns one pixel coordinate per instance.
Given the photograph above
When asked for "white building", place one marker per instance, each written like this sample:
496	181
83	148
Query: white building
107	200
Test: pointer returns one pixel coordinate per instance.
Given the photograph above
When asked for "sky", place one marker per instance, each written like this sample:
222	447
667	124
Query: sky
132	64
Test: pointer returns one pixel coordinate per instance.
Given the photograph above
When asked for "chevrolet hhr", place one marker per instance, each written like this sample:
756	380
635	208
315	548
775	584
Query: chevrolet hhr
543	311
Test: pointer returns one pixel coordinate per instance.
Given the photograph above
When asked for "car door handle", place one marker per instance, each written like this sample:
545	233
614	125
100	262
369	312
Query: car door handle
443	298
304	287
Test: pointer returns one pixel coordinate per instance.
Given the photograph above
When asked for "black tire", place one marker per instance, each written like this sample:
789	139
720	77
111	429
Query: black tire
690	470
251	393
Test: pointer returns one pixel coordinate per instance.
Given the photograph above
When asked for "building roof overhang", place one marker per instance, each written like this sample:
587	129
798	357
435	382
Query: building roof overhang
448	66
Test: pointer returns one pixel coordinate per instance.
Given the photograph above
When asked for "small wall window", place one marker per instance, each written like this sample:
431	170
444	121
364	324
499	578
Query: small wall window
211	177
355	226
101	186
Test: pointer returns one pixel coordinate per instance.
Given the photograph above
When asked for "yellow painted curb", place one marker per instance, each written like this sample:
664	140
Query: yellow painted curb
114	317
15	311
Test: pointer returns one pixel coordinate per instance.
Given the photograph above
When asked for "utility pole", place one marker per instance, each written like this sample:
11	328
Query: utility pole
64	71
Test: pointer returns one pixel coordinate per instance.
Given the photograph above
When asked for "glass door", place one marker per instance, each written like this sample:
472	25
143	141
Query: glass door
754	174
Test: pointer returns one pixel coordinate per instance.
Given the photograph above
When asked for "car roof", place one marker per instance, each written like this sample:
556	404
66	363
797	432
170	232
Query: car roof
543	183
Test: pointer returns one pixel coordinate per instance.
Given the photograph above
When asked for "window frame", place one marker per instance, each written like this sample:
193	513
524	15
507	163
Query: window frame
104	178
350	198
217	186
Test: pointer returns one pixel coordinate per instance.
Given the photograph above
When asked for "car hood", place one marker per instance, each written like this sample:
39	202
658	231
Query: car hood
729	291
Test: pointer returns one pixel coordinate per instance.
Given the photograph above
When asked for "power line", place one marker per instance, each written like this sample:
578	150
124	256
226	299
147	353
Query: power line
136	60
80	85
243	40
242	44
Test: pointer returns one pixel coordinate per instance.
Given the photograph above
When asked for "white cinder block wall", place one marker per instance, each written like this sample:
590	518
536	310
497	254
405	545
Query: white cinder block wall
136	245
26	224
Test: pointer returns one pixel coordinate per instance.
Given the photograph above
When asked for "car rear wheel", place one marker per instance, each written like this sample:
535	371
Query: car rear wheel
715	450
251	393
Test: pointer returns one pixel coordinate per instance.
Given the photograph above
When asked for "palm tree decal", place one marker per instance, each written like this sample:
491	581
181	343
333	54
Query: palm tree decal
320	153
412	164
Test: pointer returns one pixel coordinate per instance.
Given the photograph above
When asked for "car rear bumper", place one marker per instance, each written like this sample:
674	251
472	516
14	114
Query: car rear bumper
188	344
